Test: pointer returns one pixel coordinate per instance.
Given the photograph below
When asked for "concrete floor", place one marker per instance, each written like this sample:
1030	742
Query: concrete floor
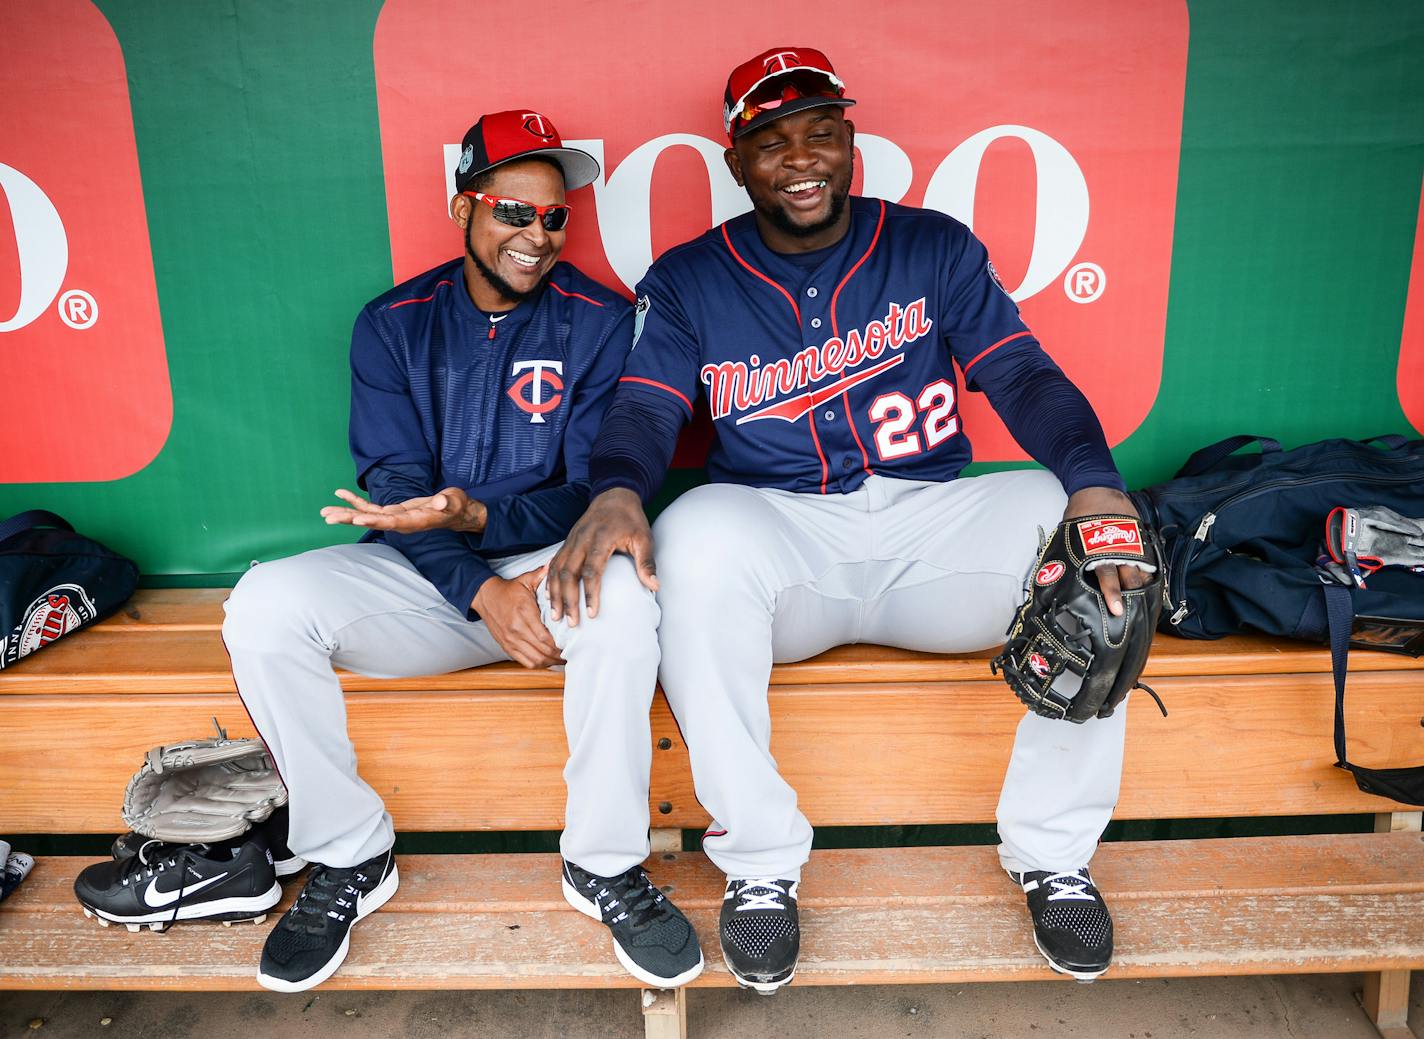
1291	1007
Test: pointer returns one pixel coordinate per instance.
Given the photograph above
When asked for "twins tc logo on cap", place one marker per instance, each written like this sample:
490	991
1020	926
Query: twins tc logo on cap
1115	536
534	123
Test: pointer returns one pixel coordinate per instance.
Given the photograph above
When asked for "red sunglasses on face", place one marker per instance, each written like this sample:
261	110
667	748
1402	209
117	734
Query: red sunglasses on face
518	213
790	87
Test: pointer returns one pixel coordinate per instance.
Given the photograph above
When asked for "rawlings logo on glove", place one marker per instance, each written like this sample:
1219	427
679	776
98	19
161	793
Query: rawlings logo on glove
1066	655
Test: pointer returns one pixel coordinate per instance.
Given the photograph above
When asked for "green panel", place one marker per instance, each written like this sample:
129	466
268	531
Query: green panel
1302	151
1302	147
260	154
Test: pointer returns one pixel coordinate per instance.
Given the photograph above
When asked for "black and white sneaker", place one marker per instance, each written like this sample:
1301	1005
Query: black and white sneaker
311	940
227	882
761	933
274	828
1071	923
651	937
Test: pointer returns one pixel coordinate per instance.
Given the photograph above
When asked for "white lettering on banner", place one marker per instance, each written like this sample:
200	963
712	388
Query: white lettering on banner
1062	219
624	196
624	199
40	242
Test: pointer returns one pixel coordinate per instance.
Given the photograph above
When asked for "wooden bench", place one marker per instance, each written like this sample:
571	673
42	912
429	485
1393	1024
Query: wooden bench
868	736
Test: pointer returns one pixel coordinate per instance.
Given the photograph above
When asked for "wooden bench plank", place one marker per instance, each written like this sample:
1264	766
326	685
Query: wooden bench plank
1269	905
870	755
182	653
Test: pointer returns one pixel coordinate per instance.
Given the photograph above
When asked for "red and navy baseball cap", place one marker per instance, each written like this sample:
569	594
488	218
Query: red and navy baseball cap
778	82
502	137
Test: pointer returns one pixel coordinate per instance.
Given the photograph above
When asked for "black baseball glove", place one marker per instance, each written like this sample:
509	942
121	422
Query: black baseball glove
1067	656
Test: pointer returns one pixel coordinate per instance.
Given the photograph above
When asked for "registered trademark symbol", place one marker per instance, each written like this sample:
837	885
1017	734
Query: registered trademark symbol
78	309
1084	282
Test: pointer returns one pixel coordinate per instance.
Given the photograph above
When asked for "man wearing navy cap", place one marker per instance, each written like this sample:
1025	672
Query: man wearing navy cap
476	391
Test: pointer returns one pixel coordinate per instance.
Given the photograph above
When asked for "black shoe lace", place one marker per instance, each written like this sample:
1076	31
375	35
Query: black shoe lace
320	896
180	858
644	903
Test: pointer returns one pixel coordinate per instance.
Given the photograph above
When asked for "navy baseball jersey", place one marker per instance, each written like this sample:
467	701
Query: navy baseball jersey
822	368
505	406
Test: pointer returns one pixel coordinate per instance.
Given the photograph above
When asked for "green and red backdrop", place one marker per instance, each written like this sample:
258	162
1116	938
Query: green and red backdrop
1209	211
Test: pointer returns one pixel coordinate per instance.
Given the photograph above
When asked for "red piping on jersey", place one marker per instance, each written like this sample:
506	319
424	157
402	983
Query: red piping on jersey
825	469
835	331
1001	342
575	295
659	385
776	285
423	299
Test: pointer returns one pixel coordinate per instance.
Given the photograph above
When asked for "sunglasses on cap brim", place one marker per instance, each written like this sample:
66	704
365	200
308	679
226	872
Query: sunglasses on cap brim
793	86
518	213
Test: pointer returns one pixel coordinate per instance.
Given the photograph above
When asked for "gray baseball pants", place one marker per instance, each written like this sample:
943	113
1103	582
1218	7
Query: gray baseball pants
750	576
366	608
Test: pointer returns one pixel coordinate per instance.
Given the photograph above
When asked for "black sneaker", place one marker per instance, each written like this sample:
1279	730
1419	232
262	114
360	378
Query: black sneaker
151	849
1071	923
229	881
312	938
761	933
651	937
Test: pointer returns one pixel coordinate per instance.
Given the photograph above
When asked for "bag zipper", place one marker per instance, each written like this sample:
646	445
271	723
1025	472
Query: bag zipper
1209	519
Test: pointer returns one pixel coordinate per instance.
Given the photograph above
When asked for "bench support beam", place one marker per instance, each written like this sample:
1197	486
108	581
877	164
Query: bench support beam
665	1013
1386	994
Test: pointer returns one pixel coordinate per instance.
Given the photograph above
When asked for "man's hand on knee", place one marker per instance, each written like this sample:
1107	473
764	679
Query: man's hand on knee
510	609
614	522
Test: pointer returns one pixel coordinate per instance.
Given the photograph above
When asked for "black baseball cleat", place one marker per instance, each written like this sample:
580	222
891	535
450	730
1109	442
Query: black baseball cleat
311	940
226	882
761	933
651	937
274	828
1071	923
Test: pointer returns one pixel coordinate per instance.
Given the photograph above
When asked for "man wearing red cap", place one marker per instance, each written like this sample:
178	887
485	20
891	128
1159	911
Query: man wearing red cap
488	377
823	331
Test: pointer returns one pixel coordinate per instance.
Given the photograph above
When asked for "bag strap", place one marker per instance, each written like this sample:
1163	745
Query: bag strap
23	521
1392	441
1405	785
1210	457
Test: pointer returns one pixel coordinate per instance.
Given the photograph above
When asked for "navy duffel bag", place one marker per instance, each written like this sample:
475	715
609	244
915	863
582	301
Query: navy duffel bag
1242	537
54	582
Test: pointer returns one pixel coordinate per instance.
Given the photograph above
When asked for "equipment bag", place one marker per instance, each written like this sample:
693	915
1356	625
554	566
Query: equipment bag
54	582
1242	539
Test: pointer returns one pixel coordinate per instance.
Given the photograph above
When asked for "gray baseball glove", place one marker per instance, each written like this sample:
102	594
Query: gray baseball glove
203	791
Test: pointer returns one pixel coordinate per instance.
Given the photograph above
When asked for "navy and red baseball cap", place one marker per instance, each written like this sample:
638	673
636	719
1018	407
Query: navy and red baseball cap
778	82
502	137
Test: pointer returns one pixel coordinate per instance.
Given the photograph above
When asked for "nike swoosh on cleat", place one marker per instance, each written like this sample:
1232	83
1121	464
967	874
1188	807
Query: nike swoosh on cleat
158	899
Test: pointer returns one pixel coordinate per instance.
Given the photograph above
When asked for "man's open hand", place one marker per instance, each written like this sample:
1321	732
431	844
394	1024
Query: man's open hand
450	509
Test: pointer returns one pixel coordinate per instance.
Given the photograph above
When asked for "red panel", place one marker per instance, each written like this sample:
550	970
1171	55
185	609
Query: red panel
1098	85
85	393
1411	347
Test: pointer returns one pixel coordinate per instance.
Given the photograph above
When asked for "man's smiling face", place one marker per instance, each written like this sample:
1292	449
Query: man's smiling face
512	262
797	171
